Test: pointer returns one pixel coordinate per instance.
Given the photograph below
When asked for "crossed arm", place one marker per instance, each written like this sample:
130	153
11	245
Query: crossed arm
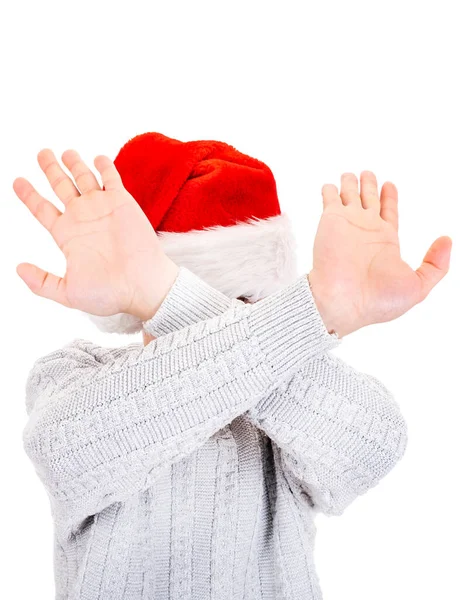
104	422
338	431
100	422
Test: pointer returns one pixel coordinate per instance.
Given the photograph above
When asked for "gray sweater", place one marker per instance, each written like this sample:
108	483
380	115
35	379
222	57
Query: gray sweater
193	468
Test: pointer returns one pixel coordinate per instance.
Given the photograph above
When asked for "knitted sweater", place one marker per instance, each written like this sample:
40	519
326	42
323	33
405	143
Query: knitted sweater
193	467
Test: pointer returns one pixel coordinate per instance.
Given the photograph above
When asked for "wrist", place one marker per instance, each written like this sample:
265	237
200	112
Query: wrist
328	305
289	327
190	300
151	296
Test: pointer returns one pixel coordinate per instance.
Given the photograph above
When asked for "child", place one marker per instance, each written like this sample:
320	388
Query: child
192	467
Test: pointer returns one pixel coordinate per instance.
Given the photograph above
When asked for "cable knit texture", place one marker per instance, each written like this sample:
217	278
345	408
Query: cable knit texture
193	468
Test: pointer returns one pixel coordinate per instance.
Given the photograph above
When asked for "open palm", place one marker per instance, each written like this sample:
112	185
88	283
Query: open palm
107	240
358	272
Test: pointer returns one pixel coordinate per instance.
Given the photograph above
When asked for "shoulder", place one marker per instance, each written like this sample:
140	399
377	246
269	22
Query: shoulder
75	361
85	350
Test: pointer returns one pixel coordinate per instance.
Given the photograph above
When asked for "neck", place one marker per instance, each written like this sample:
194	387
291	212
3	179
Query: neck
147	338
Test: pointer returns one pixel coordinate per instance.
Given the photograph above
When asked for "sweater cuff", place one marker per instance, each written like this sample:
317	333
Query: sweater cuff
290	328
189	300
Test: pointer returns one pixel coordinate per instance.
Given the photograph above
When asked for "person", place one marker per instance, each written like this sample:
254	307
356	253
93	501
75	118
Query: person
192	465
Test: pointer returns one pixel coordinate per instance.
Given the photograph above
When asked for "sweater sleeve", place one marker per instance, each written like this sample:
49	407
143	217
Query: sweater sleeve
103	423
336	431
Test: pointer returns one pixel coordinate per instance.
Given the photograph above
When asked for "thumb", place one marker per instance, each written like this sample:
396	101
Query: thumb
434	266
42	283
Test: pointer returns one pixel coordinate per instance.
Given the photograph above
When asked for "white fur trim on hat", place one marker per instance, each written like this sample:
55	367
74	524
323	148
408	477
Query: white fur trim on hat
252	260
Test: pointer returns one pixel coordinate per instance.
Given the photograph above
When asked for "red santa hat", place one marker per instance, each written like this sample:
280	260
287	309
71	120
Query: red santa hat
215	211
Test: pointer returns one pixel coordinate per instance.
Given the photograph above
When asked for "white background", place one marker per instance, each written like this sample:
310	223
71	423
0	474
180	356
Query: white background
313	89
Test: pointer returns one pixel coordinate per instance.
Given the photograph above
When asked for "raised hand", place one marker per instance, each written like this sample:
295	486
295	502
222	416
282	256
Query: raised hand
358	276
115	262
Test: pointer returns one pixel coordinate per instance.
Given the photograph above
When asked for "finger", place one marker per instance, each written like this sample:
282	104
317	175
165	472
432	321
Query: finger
349	189
434	266
44	211
369	190
389	204
111	178
84	177
330	195
62	185
42	283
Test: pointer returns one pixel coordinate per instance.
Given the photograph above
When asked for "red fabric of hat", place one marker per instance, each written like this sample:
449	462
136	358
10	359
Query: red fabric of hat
183	186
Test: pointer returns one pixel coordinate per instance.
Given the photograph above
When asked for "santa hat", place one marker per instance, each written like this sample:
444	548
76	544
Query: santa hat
216	212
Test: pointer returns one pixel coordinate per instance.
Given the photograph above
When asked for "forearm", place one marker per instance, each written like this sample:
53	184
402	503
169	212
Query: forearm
339	430
98	433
